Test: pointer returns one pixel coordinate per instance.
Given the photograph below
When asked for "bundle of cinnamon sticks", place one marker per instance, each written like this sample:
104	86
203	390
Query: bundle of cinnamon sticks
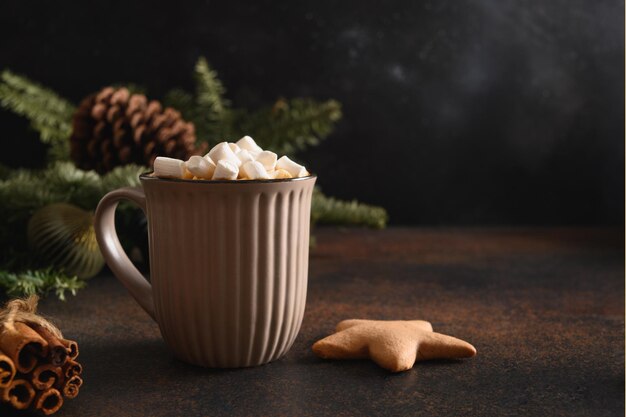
38	367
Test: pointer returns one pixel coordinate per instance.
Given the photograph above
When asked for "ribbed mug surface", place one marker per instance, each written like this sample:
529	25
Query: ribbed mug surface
229	266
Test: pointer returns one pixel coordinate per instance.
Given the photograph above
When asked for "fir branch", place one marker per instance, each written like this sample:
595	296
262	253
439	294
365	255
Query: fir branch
49	114
24	191
329	210
291	125
124	176
208	109
212	115
72	185
40	281
286	127
209	91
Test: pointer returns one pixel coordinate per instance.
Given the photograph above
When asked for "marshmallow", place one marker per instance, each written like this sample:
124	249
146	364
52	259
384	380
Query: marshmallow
225	170
187	175
230	161
244	156
211	164
201	167
254	170
169	167
280	174
249	145
267	159
222	151
233	147
296	170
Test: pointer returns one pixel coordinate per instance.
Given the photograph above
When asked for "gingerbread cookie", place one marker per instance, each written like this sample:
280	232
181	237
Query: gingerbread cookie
394	345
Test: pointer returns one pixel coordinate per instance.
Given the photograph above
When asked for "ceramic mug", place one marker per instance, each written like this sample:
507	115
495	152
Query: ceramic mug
228	264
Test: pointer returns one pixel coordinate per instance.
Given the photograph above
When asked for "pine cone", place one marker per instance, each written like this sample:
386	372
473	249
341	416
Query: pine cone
113	128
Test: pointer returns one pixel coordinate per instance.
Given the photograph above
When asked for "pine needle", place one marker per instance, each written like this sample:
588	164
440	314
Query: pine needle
329	210
292	125
209	90
49	114
39	282
286	127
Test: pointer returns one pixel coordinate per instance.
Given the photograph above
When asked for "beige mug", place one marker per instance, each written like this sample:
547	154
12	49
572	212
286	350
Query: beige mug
228	264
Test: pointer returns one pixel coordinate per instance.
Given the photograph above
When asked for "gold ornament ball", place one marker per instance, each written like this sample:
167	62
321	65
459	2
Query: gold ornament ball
62	235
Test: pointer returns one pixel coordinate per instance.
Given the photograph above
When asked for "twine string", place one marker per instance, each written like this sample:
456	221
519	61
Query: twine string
24	310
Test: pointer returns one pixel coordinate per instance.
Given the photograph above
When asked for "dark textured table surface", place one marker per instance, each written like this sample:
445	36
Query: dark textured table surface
544	308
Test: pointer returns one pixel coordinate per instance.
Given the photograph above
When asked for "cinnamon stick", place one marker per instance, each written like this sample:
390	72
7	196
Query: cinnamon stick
56	349
49	401
19	394
22	345
37	365
45	376
72	348
72	368
72	386
7	370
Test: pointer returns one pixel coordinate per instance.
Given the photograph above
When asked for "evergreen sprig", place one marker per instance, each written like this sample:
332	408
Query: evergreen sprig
210	91
286	127
40	281
329	210
48	113
291	125
27	190
208	108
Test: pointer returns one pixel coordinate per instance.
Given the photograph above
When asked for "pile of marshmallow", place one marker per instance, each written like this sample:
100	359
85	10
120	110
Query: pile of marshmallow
244	160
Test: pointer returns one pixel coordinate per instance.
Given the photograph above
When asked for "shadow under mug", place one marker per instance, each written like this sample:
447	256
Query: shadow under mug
228	264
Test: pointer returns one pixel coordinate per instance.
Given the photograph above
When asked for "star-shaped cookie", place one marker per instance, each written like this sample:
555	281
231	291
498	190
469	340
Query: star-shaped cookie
394	345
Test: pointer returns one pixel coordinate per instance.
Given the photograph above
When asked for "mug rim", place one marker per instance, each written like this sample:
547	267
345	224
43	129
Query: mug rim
149	177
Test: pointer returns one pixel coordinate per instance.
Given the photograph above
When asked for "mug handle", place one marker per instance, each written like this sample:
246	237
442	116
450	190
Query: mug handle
114	255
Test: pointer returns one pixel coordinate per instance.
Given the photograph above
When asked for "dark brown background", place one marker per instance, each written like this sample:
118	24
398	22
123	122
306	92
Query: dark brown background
493	111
